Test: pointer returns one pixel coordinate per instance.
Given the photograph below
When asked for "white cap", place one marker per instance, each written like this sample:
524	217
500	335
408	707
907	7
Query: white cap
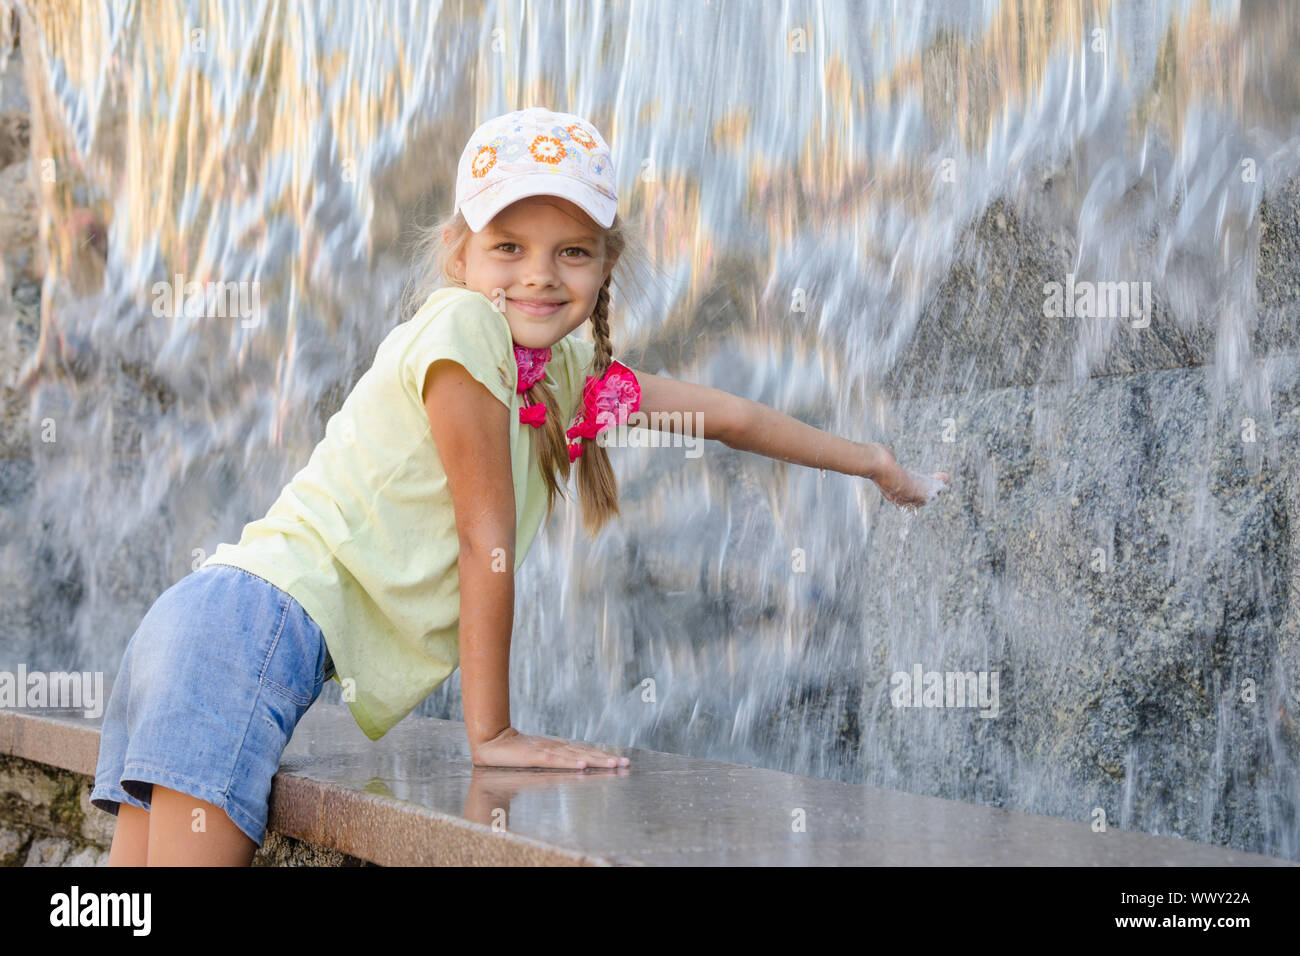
535	152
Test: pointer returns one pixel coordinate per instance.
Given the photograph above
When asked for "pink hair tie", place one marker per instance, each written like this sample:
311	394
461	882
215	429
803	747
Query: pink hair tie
608	400
532	368
534	415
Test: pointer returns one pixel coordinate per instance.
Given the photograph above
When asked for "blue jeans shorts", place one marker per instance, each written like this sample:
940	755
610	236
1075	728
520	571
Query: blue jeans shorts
211	686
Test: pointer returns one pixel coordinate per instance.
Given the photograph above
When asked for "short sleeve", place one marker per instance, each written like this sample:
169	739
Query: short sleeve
578	356
465	327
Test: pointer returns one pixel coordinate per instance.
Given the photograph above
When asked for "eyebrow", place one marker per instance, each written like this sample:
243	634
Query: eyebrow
506	234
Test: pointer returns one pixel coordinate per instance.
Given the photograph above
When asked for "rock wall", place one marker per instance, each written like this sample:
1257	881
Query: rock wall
46	819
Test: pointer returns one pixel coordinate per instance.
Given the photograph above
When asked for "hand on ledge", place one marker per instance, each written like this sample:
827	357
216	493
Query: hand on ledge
510	748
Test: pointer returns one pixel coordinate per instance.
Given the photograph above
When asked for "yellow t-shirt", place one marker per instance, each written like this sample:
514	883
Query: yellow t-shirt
364	537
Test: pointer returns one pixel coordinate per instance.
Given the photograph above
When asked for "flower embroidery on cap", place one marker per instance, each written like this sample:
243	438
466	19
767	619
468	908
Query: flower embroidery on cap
581	136
547	149
483	163
512	150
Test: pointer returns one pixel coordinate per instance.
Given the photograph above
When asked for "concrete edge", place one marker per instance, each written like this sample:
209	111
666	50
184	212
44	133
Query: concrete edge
381	830
391	832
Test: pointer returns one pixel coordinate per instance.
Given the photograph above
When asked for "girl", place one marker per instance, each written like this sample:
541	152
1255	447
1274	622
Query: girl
389	559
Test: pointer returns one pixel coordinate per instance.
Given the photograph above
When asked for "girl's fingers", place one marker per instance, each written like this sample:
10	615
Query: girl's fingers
595	757
551	756
598	756
570	757
578	757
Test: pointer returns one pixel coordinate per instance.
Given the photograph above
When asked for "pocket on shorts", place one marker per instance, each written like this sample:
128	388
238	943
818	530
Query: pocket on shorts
295	668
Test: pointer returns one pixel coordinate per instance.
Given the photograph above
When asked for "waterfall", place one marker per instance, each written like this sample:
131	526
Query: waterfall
1050	250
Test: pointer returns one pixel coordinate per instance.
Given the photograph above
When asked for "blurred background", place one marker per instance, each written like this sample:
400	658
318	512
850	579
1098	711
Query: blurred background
855	212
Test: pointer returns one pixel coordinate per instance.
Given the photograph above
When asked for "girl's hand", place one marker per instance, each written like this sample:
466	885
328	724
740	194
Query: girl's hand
907	488
510	748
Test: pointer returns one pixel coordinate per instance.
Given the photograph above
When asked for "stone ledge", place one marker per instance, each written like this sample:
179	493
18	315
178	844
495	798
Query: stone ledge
46	819
413	798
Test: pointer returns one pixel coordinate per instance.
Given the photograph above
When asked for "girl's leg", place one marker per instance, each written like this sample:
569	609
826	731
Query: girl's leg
180	837
130	837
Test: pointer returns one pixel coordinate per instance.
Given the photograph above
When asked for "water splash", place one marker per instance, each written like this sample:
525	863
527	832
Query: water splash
852	212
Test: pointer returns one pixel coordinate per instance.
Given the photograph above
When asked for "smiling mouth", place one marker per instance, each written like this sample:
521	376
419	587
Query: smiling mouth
537	308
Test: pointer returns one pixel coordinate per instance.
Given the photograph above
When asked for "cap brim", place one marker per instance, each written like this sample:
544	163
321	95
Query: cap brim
479	210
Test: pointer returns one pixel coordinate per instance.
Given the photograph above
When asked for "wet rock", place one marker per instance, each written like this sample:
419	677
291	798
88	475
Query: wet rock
87	856
15	138
13	844
48	851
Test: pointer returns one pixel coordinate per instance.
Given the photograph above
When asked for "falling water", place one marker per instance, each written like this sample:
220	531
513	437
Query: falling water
857	213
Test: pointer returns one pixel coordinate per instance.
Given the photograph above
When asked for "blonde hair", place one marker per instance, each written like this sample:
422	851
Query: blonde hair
597	488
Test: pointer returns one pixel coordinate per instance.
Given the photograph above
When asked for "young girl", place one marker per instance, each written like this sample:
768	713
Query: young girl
389	559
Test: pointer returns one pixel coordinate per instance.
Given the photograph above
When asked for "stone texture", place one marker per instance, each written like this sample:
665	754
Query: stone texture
64	739
984	328
13	844
279	850
20	782
51	800
96	825
48	851
15	137
21	846
87	856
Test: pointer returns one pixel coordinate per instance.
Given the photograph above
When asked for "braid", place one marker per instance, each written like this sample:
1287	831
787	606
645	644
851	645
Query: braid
552	450
597	488
600	332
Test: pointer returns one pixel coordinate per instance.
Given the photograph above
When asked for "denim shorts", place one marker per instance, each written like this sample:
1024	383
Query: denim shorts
211	686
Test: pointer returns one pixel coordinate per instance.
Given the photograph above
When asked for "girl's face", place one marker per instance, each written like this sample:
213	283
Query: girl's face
542	260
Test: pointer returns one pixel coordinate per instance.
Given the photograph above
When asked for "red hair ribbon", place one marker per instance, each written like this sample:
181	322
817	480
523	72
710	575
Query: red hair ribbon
534	415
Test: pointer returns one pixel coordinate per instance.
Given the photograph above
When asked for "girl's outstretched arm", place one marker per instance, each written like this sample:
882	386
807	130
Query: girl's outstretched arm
684	407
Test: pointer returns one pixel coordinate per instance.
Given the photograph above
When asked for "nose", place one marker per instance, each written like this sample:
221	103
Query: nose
538	270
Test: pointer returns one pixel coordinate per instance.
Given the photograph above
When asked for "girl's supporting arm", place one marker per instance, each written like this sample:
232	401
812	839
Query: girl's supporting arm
471	430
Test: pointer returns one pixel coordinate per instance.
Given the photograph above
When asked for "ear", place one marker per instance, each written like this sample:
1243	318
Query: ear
457	265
